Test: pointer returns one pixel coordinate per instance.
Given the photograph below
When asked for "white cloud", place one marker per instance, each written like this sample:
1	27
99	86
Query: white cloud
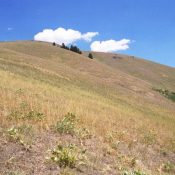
61	35
110	45
9	28
89	35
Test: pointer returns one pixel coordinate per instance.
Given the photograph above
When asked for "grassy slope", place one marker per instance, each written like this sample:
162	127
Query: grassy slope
110	96
156	74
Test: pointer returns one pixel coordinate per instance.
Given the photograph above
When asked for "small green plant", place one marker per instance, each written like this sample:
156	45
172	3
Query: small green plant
113	138
68	156
83	133
18	134
14	173
110	137
67	171
133	162
134	173
14	134
35	115
149	138
19	91
26	115
168	167
24	112
67	124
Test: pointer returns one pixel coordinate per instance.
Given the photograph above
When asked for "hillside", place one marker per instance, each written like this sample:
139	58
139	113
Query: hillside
117	119
154	73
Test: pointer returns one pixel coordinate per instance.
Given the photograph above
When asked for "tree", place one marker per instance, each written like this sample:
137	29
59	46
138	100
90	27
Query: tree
90	56
75	49
64	46
72	48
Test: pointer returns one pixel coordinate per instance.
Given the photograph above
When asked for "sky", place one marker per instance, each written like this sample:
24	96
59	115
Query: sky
143	28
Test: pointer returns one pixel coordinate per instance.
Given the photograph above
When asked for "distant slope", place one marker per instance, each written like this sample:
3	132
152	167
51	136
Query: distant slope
158	75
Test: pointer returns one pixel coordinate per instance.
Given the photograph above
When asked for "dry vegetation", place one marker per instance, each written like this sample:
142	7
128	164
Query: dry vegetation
122	125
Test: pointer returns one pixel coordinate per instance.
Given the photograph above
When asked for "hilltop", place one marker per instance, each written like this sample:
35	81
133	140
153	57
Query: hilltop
107	107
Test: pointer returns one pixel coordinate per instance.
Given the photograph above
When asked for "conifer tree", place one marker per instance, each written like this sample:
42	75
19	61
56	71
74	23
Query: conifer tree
90	56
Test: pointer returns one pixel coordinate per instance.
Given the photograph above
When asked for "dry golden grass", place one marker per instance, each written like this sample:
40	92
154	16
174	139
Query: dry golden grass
94	103
41	77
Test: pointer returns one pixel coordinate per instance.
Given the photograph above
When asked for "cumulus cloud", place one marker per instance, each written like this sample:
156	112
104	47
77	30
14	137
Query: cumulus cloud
89	35
61	35
9	28
110	45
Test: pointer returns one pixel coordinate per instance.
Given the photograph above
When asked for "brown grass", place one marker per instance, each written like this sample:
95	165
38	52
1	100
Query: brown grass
107	97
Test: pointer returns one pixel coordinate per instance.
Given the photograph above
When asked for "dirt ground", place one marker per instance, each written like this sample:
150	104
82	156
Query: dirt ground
101	157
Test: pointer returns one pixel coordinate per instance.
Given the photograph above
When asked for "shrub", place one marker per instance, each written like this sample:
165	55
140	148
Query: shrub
168	94
19	135
35	115
14	134
134	173
83	133
26	115
168	167
67	124
90	56
68	156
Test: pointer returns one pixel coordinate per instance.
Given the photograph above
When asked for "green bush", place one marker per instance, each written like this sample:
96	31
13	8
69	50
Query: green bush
68	156
14	134
90	56
20	135
26	115
67	124
168	167
168	94
35	115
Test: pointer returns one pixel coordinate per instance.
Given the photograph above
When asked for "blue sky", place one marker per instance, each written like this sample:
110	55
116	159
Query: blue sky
149	23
